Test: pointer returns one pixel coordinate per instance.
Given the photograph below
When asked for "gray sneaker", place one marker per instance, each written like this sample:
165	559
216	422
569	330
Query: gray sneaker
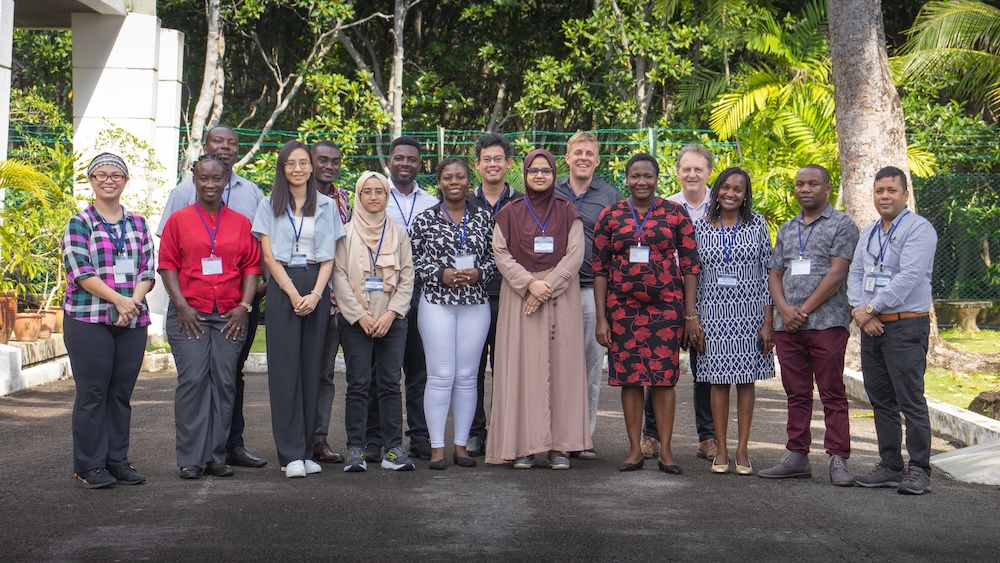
915	482
524	462
397	460
355	460
559	462
792	465
880	476
840	476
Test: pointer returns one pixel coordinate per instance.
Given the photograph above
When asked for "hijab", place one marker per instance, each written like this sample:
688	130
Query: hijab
364	233
517	220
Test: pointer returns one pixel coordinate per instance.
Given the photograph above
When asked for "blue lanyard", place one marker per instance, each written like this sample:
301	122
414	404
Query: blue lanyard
298	233
406	221
493	208
116	239
578	202
802	246
640	226
888	237
211	234
229	190
374	257
461	230
727	253
535	217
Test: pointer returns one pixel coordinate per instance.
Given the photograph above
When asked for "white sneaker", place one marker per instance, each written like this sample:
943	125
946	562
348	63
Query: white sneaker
312	467
295	469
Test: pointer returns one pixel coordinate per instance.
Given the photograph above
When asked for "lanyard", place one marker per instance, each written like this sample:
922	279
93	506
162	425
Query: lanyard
802	246
211	234
298	233
374	257
461	230
640	226
229	190
118	240
493	208
888	237
535	217
578	202
727	253
406	221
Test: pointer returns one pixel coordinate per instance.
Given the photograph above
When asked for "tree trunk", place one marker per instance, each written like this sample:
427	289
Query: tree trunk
209	88
396	90
871	133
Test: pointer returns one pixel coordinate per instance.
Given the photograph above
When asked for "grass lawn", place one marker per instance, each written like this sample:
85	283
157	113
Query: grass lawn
985	341
960	388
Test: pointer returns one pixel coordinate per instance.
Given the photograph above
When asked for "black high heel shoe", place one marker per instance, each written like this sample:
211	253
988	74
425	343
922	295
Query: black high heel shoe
632	466
671	469
463	461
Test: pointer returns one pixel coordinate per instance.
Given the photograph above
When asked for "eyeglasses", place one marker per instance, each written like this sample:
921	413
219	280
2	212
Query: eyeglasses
377	191
493	159
541	171
103	176
292	164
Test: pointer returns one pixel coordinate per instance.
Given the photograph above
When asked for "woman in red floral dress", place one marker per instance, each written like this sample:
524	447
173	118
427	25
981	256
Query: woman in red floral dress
645	282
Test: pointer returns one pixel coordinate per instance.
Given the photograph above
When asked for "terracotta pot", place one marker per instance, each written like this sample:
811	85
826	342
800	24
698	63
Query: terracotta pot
8	312
27	326
59	321
48	323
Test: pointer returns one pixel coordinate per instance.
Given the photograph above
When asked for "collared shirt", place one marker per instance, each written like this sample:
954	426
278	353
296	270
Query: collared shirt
478	198
241	195
695	211
832	234
186	241
89	250
402	209
437	241
599	196
329	229
908	260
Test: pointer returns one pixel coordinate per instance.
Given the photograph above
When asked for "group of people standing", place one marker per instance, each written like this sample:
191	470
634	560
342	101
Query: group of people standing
538	284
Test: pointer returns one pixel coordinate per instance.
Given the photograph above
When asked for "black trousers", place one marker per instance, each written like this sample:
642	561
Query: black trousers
702	406
360	353
106	361
239	423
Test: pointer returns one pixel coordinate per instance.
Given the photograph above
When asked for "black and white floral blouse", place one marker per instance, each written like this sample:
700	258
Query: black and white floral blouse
437	242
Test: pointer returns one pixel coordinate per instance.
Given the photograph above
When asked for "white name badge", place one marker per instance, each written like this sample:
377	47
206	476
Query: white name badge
374	284
638	254
728	280
211	266
801	267
465	261
123	266
545	245
297	261
876	281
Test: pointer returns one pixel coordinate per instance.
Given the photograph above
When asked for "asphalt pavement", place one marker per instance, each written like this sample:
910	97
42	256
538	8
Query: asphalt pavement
589	513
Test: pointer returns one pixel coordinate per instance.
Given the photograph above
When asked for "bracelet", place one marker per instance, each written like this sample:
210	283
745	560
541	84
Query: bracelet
282	284
691	318
320	295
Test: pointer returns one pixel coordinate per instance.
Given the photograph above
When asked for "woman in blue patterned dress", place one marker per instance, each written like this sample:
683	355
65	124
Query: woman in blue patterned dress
734	246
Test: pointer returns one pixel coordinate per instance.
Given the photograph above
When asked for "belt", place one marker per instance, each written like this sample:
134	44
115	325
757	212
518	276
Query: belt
889	317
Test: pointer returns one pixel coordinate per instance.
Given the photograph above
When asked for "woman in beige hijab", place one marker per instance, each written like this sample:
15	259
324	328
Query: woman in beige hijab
373	282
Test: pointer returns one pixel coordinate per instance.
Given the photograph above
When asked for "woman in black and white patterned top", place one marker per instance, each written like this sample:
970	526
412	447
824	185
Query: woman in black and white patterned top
453	257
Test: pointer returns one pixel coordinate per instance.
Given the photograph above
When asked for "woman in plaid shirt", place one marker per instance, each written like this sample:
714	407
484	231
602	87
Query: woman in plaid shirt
109	268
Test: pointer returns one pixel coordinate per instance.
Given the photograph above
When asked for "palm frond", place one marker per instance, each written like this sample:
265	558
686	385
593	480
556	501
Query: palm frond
20	176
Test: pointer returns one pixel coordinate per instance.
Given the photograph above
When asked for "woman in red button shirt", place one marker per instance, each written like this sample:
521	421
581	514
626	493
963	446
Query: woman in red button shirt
209	262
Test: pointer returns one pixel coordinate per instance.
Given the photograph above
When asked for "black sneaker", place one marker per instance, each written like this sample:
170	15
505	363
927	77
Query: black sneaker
98	478
127	475
880	476
373	453
916	481
420	449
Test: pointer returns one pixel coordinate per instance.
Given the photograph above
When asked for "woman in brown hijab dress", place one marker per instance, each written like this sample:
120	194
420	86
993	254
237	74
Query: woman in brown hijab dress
539	382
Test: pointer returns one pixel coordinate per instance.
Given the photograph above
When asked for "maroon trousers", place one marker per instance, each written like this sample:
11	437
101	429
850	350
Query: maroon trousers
809	355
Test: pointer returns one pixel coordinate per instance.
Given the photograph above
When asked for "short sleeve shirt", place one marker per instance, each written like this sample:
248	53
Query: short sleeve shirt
833	234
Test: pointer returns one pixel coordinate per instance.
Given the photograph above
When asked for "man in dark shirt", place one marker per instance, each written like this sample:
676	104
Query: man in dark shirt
591	196
492	162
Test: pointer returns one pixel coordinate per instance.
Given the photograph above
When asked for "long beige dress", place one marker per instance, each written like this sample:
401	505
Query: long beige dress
539	376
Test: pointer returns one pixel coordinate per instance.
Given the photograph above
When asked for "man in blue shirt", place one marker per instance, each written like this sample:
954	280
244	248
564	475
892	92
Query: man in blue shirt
889	287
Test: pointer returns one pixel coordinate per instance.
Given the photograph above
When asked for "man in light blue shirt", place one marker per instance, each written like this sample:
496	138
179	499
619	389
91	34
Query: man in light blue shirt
889	287
243	196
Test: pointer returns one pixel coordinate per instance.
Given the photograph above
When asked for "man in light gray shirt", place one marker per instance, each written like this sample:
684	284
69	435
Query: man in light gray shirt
889	286
243	196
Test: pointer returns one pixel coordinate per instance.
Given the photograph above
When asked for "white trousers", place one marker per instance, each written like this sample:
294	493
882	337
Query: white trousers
453	337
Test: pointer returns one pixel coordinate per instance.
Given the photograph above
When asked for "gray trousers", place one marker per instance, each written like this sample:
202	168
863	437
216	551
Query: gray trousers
206	388
594	354
893	365
327	391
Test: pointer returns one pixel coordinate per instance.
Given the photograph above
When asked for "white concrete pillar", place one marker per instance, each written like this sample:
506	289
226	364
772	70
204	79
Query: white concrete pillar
6	56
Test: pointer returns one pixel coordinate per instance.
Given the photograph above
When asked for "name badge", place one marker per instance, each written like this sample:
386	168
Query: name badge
298	260
728	280
465	261
801	267
876	281
374	284
545	245
123	266
211	266
638	254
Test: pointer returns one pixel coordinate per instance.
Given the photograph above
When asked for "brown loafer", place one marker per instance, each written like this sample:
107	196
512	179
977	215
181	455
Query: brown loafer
707	449
323	453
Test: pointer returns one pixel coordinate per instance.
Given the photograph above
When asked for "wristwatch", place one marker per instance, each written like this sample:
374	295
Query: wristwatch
247	306
869	309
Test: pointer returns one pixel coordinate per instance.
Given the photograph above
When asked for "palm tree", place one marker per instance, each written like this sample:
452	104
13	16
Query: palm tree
959	38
